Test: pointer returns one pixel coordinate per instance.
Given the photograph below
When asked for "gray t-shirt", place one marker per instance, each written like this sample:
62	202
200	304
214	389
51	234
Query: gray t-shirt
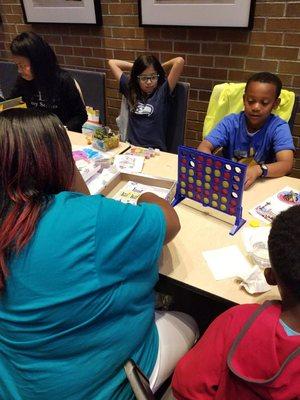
147	125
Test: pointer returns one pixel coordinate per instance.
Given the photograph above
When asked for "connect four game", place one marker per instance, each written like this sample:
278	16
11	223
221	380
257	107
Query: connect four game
212	181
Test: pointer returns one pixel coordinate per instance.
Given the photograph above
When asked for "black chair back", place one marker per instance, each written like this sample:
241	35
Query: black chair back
92	84
8	76
177	117
294	112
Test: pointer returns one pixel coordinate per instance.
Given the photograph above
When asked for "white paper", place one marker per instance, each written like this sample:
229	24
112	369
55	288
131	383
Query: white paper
227	262
255	282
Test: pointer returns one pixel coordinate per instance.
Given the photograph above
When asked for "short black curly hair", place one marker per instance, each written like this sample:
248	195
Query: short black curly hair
266	77
284	248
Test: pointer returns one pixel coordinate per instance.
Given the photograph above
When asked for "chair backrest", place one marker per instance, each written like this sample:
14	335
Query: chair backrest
227	98
294	112
122	120
8	76
79	90
92	85
138	381
177	117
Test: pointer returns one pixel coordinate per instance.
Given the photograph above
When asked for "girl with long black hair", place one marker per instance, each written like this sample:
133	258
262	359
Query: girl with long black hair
43	84
148	93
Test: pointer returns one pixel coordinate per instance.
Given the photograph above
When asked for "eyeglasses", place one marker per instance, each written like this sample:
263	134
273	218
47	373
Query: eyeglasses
146	78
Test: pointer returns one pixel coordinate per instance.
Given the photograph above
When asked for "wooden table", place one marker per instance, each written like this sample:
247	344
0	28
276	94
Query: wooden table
182	259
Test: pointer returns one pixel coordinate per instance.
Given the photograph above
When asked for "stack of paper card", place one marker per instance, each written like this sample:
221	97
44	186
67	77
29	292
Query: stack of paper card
129	163
131	191
88	161
98	181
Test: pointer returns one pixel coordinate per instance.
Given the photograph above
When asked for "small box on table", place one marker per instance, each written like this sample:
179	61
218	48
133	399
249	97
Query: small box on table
127	187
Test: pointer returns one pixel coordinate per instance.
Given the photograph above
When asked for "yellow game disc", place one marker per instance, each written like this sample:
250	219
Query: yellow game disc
254	223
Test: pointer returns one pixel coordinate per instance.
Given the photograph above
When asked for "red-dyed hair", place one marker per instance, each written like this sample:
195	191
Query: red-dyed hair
36	163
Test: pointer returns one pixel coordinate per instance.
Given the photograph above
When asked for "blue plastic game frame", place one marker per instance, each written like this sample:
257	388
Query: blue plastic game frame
212	181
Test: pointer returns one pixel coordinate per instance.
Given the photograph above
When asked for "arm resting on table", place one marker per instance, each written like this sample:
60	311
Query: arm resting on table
172	220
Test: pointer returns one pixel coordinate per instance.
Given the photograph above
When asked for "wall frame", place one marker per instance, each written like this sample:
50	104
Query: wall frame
205	13
62	11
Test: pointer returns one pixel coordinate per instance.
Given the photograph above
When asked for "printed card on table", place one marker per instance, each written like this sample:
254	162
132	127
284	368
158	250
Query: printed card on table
132	190
129	163
272	206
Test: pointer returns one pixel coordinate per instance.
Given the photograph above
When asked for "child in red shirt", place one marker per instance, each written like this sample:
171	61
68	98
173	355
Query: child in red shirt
253	352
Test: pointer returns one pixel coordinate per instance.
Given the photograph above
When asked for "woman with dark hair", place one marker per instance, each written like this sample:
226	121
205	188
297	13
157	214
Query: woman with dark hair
148	93
43	84
75	303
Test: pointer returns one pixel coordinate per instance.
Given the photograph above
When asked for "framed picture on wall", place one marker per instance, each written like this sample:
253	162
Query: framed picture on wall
62	11
205	13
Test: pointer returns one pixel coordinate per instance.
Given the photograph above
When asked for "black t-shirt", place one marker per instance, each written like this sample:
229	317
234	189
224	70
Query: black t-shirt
62	99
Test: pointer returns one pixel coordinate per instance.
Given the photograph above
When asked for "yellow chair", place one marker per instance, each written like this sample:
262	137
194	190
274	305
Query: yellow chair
227	98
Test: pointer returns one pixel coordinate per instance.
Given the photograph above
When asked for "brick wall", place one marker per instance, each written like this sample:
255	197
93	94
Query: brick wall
212	55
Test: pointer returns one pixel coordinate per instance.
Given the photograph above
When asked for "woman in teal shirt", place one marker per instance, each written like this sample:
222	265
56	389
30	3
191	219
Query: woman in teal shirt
76	272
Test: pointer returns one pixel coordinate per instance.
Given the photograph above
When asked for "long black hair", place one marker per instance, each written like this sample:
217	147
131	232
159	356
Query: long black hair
139	66
43	61
36	163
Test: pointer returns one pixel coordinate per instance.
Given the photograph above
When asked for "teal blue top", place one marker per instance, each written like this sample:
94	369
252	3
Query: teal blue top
79	301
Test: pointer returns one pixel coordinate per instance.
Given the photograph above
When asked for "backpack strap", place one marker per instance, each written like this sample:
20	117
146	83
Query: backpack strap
239	338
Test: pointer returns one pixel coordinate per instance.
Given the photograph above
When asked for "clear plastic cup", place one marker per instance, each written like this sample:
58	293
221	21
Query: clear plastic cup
260	254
